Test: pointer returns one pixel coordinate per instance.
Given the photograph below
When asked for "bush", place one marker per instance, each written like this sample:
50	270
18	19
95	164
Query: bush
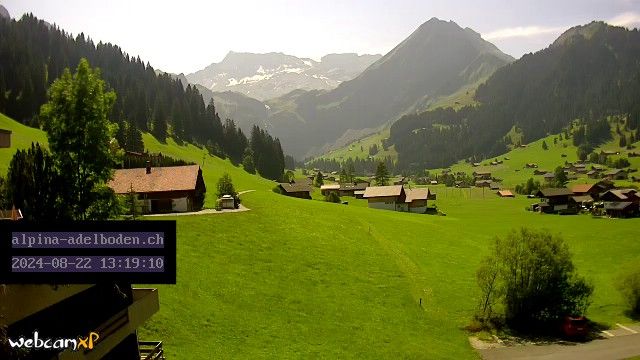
629	286
531	276
333	197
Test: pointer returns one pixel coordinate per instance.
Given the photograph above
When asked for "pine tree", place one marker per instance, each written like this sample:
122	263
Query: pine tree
382	175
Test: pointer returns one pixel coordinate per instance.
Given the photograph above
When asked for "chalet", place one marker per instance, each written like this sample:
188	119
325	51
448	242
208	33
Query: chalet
386	197
593	190
581	201
162	189
621	209
554	199
621	195
615	174
349	189
579	168
505	193
594	174
327	188
540	172
549	177
483	183
482	175
298	190
359	194
416	200
5	138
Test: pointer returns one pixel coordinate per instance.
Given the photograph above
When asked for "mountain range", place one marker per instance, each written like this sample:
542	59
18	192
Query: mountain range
266	76
436	60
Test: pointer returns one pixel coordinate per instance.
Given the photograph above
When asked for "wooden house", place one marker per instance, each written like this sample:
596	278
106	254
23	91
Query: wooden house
5	138
621	209
162	189
386	197
554	199
615	174
416	200
298	190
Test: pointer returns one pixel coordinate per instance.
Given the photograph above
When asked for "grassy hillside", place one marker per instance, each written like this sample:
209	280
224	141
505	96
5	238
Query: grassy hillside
513	171
21	138
299	278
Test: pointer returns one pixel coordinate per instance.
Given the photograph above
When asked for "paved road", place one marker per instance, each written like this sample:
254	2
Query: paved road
617	347
240	208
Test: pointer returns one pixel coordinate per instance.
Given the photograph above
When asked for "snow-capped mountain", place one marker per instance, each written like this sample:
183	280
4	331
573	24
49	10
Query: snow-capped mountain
267	76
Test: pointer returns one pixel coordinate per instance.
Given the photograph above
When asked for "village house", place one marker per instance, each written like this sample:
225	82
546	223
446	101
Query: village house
482	175
298	190
594	174
349	189
554	199
483	183
540	171
417	200
390	197
621	209
621	195
396	197
549	177
615	174
505	193
5	138
327	188
162	189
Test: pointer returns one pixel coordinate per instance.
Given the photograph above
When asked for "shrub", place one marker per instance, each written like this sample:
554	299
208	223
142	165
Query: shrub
629	286
333	197
531	275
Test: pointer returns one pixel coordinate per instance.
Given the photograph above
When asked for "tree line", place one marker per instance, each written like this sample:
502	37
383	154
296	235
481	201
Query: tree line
353	166
34	53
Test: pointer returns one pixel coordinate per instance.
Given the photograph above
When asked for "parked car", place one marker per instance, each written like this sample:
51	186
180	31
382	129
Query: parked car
575	326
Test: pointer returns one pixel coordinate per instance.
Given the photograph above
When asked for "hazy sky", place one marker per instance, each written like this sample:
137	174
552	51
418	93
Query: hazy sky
185	36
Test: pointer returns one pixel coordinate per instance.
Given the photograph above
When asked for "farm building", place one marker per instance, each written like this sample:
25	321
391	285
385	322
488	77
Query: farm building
505	193
482	175
621	209
554	199
349	189
386	197
594	190
5	138
327	188
162	189
581	201
483	183
594	174
417	200
549	176
298	190
621	195
540	172
615	174
359	194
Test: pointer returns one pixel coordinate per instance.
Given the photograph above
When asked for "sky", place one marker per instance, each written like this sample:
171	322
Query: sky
185	36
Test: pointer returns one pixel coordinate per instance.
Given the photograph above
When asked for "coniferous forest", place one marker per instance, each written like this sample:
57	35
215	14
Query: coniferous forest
34	53
589	73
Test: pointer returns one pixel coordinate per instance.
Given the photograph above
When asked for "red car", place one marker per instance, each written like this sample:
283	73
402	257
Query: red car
575	326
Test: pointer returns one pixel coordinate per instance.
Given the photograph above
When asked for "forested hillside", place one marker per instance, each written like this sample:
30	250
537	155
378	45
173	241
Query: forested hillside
590	72
34	53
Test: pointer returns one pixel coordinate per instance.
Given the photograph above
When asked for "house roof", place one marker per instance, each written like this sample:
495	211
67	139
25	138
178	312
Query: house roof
161	179
330	187
582	198
617	205
549	175
505	193
416	194
383	191
358	192
295	187
10	214
550	192
622	194
352	186
614	172
582	188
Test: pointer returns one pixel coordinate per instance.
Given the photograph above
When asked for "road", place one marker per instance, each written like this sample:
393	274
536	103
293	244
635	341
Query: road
617	347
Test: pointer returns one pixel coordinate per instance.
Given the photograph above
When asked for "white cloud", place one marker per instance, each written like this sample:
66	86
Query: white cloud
628	19
522	31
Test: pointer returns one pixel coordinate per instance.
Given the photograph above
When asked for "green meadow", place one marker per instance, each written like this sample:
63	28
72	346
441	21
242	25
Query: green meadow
297	278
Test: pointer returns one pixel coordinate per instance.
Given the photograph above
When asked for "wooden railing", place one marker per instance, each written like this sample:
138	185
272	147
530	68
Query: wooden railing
151	350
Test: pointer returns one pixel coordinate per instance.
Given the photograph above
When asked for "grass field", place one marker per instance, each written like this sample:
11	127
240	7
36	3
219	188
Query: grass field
299	278
21	138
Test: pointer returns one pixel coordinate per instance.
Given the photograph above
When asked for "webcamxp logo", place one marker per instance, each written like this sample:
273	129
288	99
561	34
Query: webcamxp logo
76	344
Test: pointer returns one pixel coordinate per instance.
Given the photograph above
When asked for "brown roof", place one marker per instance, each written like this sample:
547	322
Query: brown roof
505	193
549	192
382	191
161	179
295	187
330	187
582	198
416	194
582	188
